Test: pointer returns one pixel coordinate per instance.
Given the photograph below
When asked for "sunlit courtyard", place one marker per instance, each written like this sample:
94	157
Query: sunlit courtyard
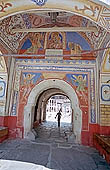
54	105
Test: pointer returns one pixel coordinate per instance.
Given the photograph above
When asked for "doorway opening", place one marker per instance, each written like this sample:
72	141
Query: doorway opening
49	104
59	103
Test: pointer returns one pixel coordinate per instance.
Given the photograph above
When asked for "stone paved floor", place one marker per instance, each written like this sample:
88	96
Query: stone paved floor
53	152
49	131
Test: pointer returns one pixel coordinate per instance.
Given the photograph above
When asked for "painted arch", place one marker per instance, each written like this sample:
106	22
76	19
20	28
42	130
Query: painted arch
96	11
45	85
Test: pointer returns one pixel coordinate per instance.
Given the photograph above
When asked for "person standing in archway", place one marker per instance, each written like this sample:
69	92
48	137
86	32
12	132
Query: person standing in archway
59	117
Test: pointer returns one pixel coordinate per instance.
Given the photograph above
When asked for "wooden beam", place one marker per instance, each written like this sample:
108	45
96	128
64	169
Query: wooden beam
57	29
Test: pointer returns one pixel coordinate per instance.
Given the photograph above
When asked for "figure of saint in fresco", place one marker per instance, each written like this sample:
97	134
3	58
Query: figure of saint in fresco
27	86
75	48
55	41
28	78
81	87
36	43
81	83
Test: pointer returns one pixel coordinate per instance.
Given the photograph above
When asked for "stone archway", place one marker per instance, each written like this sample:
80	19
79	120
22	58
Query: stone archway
68	90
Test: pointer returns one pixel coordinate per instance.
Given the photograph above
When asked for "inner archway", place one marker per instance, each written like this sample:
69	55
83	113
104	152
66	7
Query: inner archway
53	120
42	87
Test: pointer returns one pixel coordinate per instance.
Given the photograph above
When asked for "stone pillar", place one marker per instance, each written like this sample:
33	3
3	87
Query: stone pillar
10	88
44	111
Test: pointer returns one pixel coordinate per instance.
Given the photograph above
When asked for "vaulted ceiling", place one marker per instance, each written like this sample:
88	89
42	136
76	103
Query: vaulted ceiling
15	28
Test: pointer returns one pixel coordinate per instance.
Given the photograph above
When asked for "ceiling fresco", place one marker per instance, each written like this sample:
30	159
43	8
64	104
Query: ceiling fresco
95	10
15	40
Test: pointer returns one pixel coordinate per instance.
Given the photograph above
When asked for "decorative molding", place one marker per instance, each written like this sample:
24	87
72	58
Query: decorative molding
2	88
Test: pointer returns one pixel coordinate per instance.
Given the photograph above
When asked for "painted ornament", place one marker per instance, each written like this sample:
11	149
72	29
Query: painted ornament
40	2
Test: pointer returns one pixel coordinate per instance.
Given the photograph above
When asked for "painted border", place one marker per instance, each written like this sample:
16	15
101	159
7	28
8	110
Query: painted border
101	92
4	88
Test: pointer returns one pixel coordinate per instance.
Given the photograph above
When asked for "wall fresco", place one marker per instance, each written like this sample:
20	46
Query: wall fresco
70	41
73	39
89	9
33	43
80	78
97	38
7	36
55	41
15	40
81	86
28	81
24	82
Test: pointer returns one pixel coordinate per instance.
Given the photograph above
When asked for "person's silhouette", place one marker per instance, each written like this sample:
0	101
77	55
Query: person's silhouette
59	117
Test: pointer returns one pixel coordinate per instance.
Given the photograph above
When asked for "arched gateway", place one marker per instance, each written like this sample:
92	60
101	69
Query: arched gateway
68	90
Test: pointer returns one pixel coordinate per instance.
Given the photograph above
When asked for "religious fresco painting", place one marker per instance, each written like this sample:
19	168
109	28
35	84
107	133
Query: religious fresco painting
33	43
80	72
80	84
55	40
70	41
76	43
28	81
80	81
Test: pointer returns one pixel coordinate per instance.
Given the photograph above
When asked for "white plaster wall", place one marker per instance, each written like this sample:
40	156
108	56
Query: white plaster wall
47	84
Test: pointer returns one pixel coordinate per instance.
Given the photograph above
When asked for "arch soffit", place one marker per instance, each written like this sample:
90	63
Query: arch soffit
49	93
52	83
53	94
96	11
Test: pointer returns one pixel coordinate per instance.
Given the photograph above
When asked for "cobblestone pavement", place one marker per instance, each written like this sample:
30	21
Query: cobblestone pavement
54	152
49	131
